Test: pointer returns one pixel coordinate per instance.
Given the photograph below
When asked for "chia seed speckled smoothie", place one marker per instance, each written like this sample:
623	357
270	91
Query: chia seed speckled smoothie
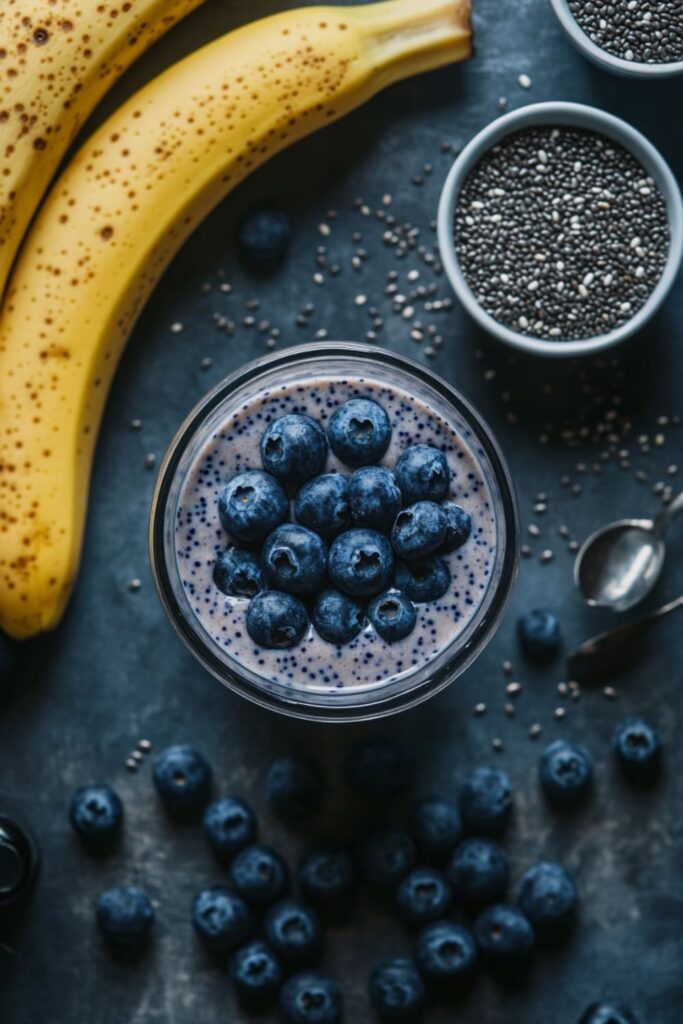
368	660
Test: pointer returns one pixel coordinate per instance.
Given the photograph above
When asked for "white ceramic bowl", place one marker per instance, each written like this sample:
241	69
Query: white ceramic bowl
573	115
595	53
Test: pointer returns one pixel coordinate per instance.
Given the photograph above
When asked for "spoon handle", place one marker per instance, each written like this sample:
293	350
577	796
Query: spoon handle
611	652
668	513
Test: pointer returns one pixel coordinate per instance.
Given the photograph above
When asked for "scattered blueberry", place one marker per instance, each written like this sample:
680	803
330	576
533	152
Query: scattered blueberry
385	855
359	432
505	939
418	530
229	826
276	620
251	505
426	579
539	634
294	559
458	527
374	498
378	768
323	505
566	773
548	898
311	998
222	919
259	874
294	449
486	801
263	238
183	778
96	813
422	474
436	826
295	786
326	876
424	895
446	954
396	990
361	562
608	1013
479	872
238	573
392	615
125	916
638	750
293	931
256	975
336	617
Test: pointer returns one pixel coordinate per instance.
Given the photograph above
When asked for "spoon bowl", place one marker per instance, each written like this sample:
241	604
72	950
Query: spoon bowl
619	564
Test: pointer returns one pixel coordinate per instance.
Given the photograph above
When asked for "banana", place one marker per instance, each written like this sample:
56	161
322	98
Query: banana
119	212
56	64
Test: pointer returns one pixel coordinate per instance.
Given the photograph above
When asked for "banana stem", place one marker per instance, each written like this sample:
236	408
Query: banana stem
408	37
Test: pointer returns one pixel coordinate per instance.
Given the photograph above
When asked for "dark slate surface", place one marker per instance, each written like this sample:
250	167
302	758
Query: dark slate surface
115	672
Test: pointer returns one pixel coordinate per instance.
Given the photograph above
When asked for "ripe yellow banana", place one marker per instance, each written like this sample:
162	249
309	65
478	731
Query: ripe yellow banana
56	63
119	212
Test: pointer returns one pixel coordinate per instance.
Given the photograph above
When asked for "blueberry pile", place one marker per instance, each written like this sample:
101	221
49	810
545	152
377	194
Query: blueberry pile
334	550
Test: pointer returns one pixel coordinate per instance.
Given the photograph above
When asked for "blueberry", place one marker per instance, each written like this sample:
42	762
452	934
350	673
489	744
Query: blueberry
378	768
486	801
361	562
392	615
311	998
222	919
259	874
539	634
336	617
458	527
426	579
396	990
566	773
251	505
294	449
326	876
424	895
96	813
323	505
479	872
238	573
125	916
418	530
505	939
256	974
183	779
548	898
263	238
295	786
295	559
359	432
446	954
385	855
638	750
229	826
422	474
436	826
374	498
293	931
276	620
608	1013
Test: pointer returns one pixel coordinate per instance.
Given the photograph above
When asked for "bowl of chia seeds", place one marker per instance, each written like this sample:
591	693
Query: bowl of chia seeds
561	229
638	38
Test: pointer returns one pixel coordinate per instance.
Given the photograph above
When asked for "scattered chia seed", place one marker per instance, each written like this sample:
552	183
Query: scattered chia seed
497	745
145	746
642	31
534	731
479	709
134	585
560	233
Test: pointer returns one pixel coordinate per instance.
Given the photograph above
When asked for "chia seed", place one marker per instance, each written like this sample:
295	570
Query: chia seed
642	31
561	234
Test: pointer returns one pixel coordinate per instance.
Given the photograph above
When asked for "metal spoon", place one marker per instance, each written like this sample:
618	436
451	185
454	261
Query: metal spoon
620	563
